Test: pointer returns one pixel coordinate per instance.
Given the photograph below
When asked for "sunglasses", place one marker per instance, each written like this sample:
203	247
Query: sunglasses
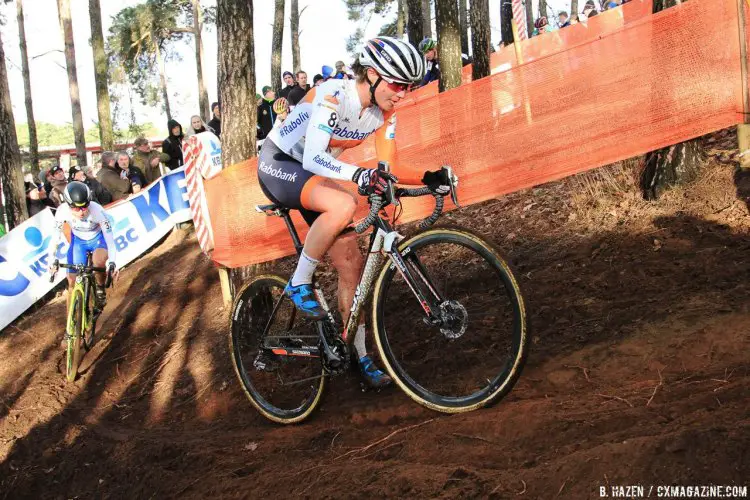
79	209
396	86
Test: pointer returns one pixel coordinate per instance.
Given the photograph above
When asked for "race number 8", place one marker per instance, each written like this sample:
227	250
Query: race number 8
332	120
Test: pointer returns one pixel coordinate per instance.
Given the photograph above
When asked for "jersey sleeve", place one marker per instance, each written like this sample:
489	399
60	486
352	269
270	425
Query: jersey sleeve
323	120
99	215
61	216
385	150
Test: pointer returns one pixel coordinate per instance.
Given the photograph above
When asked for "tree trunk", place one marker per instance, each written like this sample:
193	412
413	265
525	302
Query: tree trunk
529	17
673	165
449	48
463	20
236	80
162	77
414	22
66	26
400	20
11	175
33	141
203	104
426	19
480	38
506	21
101	67
573	7
276	45
237	93
296	59
543	9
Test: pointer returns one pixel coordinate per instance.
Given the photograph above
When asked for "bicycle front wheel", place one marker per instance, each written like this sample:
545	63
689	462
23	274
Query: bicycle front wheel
75	334
89	333
265	339
472	355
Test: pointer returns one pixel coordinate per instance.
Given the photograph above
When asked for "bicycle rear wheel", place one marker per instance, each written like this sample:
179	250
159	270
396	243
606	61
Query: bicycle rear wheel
474	356
75	333
285	388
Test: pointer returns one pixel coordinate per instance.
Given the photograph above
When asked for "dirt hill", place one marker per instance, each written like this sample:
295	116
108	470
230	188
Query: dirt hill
639	371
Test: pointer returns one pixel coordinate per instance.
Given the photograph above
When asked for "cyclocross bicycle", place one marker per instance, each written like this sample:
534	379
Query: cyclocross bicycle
448	318
82	312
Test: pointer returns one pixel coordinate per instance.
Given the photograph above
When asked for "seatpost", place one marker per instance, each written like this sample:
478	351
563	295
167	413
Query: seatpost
293	232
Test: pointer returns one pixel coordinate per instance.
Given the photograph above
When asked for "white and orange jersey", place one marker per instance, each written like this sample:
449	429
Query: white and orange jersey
329	120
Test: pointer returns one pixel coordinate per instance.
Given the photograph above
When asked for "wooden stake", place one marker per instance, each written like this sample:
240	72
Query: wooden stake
226	290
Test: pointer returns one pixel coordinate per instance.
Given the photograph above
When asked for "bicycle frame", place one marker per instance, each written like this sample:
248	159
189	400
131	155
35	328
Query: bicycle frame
384	240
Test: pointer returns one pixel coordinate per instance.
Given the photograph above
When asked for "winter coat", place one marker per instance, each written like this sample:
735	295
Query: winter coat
110	179
172	146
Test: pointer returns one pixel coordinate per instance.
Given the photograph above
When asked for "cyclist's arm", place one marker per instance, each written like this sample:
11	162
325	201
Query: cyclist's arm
316	159
99	215
385	150
61	215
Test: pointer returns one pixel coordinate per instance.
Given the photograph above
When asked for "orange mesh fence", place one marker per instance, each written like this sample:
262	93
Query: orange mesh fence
550	43
661	80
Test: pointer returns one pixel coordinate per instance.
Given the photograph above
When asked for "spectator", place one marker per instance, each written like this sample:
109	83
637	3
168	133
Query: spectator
93	171
35	198
428	47
112	178
290	84
318	79
298	92
563	18
266	115
98	192
611	4
340	71
172	145
589	10
133	174
215	122
326	72
302	80
55	178
541	26
147	160
197	126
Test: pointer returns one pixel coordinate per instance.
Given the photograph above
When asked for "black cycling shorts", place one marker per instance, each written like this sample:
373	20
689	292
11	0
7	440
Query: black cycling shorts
284	181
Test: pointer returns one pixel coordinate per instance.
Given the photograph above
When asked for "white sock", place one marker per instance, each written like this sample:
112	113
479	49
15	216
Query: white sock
305	269
359	341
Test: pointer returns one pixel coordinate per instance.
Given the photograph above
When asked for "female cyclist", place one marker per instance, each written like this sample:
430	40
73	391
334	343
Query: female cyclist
90	231
297	168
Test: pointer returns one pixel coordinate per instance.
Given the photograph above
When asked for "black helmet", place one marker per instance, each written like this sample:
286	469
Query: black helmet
77	194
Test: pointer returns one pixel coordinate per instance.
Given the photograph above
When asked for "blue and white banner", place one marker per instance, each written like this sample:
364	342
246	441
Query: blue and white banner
138	223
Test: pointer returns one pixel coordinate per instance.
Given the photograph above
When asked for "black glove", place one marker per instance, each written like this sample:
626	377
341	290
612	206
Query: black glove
372	181
437	181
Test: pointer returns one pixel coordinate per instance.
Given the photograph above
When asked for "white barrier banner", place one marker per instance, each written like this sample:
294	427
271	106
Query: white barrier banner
138	223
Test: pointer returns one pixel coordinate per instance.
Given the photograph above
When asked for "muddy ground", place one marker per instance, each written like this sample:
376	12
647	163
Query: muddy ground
639	371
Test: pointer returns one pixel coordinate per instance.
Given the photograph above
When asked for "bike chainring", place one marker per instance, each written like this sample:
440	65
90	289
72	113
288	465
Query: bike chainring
454	319
339	349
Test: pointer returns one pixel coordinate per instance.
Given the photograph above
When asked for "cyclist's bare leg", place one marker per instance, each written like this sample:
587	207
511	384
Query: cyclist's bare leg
348	261
100	260
336	206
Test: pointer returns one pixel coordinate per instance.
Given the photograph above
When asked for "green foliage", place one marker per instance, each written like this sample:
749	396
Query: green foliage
361	11
138	32
356	8
50	134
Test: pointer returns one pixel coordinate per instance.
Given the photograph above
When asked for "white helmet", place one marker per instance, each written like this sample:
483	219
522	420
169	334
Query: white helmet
394	59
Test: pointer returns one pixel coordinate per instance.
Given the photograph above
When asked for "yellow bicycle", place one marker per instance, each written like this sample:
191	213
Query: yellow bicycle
82	312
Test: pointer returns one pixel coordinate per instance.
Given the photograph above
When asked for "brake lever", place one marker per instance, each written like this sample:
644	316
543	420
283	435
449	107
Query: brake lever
453	180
